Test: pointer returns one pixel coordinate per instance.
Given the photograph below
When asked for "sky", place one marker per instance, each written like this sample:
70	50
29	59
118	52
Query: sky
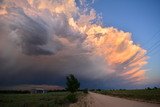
142	19
104	43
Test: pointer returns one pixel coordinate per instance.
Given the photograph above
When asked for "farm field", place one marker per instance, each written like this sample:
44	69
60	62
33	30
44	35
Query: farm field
51	99
147	95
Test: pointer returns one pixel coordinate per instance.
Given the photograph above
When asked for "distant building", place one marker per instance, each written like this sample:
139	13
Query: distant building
38	91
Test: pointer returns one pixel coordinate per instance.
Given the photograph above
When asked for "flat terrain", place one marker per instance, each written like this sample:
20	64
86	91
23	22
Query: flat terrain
108	101
52	99
146	95
59	99
99	100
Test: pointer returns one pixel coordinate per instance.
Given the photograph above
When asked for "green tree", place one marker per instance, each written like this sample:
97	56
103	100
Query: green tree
72	83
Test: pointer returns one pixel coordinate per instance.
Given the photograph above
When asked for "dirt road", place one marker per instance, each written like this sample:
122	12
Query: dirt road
98	100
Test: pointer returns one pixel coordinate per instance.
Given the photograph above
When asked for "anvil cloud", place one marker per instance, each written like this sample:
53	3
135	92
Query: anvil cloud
41	41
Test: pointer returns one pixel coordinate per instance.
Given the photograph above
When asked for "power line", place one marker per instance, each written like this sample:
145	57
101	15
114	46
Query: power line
152	48
152	38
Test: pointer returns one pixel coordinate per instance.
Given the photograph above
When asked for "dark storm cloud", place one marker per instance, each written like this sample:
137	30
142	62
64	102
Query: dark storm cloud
1	1
31	38
41	42
32	35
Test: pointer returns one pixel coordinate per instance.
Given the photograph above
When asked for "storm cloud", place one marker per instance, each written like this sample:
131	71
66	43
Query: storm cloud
43	41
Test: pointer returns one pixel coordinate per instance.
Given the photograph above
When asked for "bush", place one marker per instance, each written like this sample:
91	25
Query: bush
85	91
98	90
72	98
92	90
155	88
148	88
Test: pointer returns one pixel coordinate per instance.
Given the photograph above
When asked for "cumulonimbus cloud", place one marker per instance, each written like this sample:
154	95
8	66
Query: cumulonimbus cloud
51	38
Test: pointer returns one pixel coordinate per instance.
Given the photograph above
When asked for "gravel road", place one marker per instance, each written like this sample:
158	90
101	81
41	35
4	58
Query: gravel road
98	100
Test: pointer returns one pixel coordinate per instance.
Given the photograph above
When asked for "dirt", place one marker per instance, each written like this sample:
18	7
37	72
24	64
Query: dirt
98	100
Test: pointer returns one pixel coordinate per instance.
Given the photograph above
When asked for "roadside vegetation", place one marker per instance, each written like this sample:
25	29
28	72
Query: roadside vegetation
147	95
52	99
57	98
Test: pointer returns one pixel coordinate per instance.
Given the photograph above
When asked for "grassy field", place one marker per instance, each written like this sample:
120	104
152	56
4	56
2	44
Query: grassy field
52	99
152	95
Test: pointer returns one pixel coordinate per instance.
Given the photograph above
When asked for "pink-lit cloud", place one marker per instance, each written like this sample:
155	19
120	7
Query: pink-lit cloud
48	37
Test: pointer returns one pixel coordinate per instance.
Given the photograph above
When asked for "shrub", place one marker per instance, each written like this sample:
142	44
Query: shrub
148	88
155	88
85	91
98	90
72	98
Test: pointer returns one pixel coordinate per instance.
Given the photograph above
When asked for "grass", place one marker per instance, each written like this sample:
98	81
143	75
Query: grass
52	99
152	95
